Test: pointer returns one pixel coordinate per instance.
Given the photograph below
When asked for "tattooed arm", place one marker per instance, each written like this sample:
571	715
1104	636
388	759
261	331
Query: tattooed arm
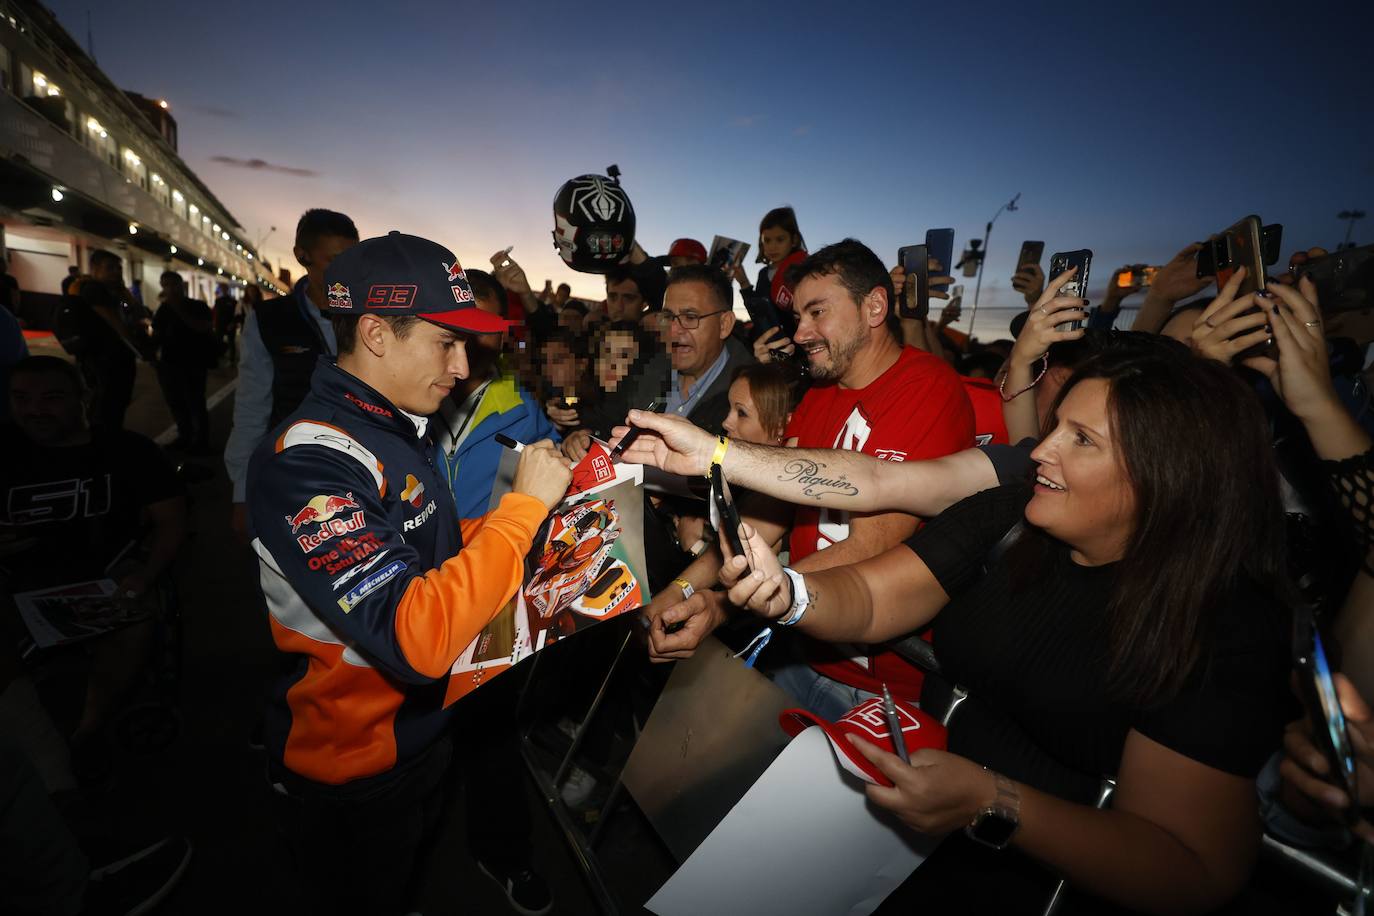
829	478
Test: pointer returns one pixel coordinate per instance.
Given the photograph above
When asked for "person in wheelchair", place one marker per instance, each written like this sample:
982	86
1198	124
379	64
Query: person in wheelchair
78	505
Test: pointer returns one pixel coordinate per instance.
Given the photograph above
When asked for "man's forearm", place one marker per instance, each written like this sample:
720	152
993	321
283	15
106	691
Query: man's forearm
855	482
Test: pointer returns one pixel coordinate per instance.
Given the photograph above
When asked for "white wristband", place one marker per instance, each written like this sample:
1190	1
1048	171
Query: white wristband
800	599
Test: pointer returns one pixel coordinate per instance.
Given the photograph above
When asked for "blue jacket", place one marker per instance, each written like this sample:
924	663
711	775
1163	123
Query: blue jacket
366	587
505	408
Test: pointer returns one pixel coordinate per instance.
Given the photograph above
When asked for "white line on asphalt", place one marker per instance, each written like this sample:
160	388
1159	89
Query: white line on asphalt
170	433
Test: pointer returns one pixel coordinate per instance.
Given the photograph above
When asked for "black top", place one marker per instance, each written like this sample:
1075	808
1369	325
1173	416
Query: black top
182	343
1032	656
80	505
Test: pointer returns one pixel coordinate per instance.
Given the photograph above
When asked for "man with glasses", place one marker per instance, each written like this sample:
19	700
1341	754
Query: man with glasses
703	354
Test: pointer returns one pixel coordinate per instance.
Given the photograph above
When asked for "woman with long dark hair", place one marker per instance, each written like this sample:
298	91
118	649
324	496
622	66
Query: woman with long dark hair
1123	618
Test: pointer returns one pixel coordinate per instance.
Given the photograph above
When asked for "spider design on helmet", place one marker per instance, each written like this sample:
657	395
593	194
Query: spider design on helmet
598	199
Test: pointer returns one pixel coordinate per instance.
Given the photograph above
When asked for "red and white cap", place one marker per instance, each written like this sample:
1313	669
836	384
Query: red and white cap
869	721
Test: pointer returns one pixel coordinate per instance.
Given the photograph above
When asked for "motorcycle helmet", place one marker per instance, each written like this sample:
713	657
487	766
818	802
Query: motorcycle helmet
593	222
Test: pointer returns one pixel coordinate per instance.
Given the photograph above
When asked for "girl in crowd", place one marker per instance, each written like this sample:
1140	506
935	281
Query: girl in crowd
564	382
1123	618
780	246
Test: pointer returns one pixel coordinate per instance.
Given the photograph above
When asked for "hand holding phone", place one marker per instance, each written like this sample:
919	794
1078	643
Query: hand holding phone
1330	731
940	248
914	303
1077	286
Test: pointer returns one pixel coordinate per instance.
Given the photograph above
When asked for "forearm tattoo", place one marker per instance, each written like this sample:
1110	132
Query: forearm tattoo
809	480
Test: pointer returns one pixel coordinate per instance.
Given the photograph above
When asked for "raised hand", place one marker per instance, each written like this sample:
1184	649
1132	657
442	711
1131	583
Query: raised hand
1231	324
1029	281
677	445
770	340
1049	311
755	581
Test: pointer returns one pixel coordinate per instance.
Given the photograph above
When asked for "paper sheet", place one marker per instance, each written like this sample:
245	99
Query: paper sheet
804	840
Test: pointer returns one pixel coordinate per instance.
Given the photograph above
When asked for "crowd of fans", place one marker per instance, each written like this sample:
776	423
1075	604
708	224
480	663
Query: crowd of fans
1105	534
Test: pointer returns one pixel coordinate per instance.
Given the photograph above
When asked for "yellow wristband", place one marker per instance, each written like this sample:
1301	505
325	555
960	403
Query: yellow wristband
721	445
687	590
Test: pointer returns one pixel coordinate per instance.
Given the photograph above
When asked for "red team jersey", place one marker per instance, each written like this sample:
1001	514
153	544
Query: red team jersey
917	409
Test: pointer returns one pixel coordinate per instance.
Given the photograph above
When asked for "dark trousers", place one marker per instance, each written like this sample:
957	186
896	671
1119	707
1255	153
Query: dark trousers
498	814
183	387
42	870
111	380
360	853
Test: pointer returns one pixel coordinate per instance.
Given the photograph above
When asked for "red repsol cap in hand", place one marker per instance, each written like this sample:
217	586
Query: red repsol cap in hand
397	274
869	722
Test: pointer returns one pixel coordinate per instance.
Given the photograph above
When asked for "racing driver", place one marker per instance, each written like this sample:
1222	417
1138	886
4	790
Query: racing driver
372	587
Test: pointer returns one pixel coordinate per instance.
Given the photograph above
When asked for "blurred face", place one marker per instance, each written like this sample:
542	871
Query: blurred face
623	300
658	324
831	329
422	367
47	407
560	367
173	289
484	349
1083	496
742	422
695	349
320	255
777	243
111	272
561	295
616	355
570	319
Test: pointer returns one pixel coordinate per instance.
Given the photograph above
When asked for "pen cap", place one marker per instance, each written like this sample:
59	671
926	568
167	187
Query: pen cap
868	720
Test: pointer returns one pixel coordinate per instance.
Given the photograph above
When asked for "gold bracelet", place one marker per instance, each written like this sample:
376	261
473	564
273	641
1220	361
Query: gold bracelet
687	590
722	443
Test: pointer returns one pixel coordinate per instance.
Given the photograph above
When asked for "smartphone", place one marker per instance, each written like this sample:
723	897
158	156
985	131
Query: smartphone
763	313
1061	261
1137	275
1217	254
1344	279
727	516
1240	246
1323	705
915	298
940	246
1031	253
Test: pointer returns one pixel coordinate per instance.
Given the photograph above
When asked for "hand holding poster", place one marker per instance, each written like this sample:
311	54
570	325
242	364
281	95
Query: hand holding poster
586	565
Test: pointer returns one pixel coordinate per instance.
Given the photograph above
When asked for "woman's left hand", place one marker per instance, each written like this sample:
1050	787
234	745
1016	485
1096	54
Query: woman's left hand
937	793
1302	373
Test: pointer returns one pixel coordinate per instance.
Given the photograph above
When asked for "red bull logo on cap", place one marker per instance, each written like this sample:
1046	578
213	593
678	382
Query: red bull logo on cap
339	297
321	510
455	271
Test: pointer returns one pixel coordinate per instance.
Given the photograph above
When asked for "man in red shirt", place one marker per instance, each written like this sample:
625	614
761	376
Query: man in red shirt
872	395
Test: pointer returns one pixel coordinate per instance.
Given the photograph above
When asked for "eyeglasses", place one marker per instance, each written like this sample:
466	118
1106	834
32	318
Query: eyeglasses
690	321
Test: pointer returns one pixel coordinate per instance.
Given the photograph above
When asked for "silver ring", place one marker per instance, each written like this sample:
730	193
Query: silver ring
1311	324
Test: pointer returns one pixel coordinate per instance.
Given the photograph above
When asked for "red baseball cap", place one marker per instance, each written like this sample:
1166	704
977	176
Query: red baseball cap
869	721
398	274
688	248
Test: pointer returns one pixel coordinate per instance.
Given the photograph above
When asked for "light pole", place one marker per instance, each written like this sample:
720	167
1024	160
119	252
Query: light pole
1349	216
1009	206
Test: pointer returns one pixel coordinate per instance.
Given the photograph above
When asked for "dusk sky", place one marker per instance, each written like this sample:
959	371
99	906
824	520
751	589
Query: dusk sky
1131	131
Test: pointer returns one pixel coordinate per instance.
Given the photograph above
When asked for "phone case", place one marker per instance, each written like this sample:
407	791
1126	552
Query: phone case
915	299
1061	261
1031	253
940	246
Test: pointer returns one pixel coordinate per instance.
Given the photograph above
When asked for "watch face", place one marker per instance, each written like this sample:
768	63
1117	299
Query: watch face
992	830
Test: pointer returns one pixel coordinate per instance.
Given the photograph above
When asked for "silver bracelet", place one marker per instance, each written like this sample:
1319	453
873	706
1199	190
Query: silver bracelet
800	599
